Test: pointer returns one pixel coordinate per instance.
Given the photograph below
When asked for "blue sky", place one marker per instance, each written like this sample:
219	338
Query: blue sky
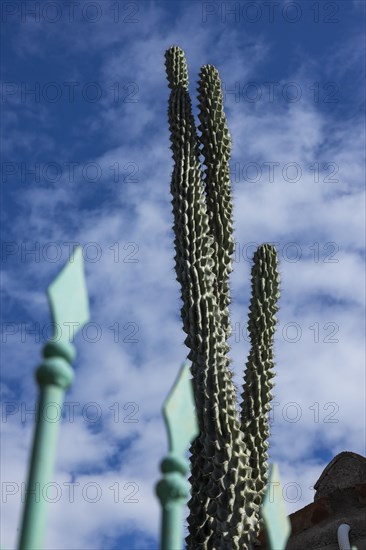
95	135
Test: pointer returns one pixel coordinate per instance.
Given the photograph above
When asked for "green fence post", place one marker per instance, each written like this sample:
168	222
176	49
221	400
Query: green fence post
68	302
181	422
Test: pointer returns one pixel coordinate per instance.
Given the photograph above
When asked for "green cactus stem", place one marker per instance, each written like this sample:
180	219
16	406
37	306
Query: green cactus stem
260	365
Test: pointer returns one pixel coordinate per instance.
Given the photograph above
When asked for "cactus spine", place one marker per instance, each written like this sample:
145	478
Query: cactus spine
225	502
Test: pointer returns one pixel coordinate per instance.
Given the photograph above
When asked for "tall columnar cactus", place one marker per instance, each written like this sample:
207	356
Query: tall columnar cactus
224	503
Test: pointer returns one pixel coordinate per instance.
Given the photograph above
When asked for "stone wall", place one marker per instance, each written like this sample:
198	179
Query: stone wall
340	498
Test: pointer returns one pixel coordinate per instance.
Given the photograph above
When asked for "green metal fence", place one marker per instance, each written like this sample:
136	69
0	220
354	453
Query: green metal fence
69	302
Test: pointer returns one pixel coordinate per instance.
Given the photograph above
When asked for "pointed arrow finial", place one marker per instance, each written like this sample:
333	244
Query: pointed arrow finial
273	512
68	298
180	413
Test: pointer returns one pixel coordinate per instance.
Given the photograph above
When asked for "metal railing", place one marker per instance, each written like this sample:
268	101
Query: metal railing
68	301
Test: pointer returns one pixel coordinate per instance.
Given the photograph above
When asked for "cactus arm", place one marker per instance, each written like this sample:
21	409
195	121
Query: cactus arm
216	149
260	365
193	258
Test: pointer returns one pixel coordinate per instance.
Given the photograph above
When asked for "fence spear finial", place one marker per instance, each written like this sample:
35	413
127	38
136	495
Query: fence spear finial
273	512
68	302
182	427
